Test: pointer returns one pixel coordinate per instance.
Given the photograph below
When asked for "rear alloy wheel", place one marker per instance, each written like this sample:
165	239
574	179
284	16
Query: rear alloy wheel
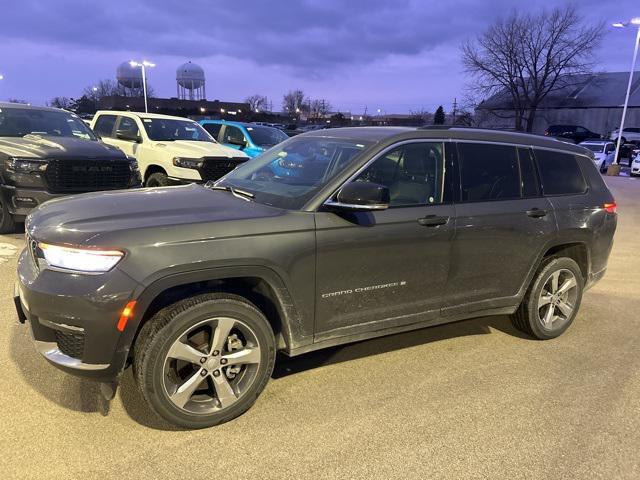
158	179
552	301
7	223
204	360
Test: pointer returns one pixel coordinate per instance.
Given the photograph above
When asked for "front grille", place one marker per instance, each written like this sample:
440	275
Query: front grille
215	167
79	176
71	344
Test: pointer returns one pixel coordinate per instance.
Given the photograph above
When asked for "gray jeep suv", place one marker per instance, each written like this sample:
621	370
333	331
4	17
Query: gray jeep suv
330	237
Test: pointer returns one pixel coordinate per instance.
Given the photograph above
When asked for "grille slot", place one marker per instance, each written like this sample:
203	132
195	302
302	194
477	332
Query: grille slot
78	176
216	167
71	344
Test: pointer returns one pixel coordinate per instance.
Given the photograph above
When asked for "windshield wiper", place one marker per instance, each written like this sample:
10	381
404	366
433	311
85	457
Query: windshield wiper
236	192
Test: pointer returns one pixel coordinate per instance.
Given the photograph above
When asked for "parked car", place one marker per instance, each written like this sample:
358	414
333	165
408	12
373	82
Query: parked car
604	152
199	286
635	164
629	134
46	153
575	133
252	139
170	150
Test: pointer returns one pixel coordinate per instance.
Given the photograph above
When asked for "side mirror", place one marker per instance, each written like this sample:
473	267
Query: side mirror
361	196
127	135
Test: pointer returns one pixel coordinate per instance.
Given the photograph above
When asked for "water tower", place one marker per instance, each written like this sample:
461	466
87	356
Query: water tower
190	82
130	78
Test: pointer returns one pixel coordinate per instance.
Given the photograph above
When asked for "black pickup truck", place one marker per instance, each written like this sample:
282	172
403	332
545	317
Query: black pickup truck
46	153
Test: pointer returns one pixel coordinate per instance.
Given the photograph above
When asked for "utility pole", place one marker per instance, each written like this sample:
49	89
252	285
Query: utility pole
455	108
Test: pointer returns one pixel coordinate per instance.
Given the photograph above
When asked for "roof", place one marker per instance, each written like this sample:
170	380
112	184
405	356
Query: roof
598	90
140	114
394	134
28	107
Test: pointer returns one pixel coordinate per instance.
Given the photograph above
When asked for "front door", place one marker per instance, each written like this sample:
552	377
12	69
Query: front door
387	268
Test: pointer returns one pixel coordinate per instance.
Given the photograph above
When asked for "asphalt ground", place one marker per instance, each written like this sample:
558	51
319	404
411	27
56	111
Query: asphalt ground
475	399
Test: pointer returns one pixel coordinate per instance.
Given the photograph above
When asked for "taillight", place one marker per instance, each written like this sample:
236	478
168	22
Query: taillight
610	207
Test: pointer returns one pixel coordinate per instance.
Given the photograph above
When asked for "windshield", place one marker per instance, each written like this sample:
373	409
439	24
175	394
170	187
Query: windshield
594	147
168	129
266	136
288	175
18	122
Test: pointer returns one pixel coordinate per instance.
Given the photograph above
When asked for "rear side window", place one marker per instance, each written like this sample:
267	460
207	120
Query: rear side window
213	129
104	125
488	172
559	173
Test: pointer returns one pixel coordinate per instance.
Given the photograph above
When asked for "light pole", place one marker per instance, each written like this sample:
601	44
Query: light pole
144	65
614	168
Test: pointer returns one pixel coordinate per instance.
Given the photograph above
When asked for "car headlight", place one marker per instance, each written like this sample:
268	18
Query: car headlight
81	260
25	165
133	164
193	163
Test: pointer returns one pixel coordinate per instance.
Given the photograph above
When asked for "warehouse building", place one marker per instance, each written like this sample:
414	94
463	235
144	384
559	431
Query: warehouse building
593	101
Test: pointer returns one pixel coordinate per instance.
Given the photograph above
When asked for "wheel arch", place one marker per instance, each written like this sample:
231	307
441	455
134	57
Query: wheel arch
151	169
260	285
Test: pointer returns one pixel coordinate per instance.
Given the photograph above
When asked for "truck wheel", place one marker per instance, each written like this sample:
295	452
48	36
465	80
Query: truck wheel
552	301
157	179
204	360
7	223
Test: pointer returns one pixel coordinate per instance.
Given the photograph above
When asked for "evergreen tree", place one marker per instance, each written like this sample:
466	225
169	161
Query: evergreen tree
438	118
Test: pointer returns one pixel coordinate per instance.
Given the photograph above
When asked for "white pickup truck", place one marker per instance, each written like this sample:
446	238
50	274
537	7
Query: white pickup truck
169	150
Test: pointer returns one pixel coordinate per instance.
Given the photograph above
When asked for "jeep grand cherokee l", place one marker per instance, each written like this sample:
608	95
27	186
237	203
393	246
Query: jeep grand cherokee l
382	230
46	153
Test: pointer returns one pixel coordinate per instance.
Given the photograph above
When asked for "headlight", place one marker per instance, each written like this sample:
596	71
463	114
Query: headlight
133	164
25	165
80	259
194	163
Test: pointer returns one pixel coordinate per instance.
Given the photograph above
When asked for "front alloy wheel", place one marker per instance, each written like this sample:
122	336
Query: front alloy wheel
212	365
204	360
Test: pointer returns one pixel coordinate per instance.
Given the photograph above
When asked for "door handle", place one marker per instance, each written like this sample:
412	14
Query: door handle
536	212
432	221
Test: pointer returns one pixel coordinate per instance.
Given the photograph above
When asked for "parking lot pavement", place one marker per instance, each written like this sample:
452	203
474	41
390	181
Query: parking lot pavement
471	400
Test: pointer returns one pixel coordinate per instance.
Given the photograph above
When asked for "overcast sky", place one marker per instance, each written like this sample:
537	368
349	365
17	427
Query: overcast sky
396	55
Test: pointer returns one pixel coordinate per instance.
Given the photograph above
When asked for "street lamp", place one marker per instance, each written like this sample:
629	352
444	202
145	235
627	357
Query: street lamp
614	169
144	65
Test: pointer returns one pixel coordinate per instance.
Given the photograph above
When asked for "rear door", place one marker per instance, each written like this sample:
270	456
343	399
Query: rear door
502	224
105	126
213	129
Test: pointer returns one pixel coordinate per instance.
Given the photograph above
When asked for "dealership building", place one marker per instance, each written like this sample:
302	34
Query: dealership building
593	101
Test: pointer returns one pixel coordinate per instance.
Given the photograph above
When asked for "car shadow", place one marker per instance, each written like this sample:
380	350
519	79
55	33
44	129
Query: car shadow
286	366
81	395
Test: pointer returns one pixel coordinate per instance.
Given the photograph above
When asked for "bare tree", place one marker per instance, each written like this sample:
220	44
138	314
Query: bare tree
526	57
319	108
18	100
257	102
294	101
61	102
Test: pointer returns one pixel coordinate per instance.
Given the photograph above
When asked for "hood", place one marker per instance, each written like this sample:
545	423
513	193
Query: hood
170	213
193	149
40	147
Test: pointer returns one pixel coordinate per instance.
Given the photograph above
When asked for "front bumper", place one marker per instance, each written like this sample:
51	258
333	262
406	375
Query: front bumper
21	201
73	317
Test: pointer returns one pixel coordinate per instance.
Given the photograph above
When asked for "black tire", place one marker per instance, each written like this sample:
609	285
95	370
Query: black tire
158	179
170	324
527	317
7	222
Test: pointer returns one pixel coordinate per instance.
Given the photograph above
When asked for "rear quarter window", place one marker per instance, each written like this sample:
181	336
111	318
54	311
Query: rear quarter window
560	173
